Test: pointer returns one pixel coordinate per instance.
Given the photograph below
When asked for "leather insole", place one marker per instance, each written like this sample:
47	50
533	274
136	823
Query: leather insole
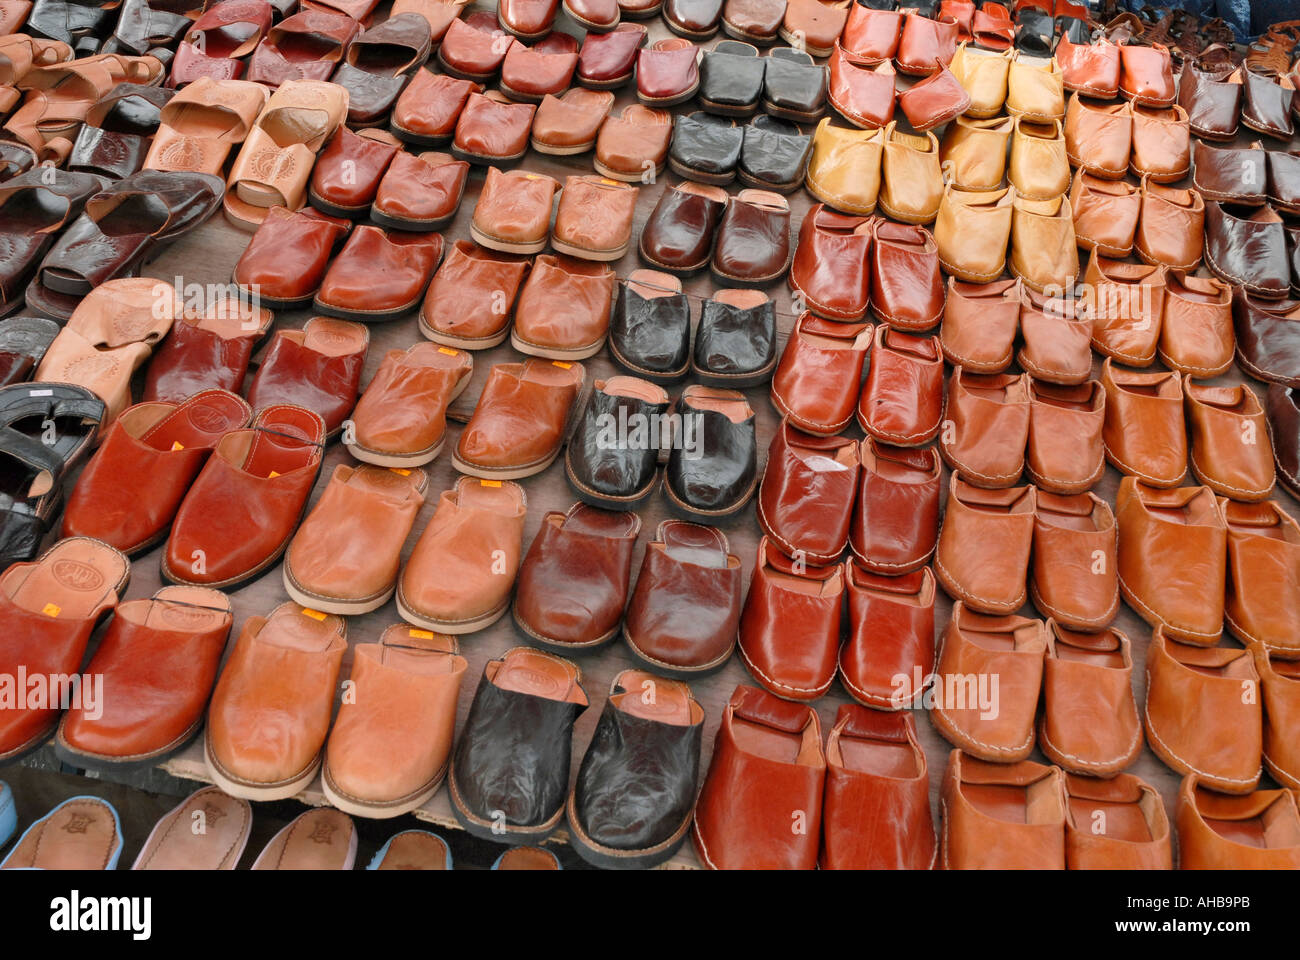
595	522
276	448
879	758
1001	801
764	741
495	496
652	284
296	628
538	674
418	651
200	421
415	850
1249	832
180	610
692	543
656	698
82	834
334	338
320	839
527	858
73	579
176	843
29	212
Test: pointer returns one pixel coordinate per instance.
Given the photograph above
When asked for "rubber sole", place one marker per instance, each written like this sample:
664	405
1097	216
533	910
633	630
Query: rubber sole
457	627
496	831
95	761
508	473
506	246
608	858
326	605
356	807
564	649
240	788
555	353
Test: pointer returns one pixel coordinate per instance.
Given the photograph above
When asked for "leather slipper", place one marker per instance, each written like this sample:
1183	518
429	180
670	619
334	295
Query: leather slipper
317	367
174	845
420	193
379	276
132	487
199	125
179	633
305	46
206	351
274	164
34	207
117	133
219	40
118	230
51	606
108	337
378	65
23	342
81	833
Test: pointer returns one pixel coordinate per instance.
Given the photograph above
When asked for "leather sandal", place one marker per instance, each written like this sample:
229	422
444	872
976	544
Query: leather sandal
198	126
378	65
306	46
118	130
219	40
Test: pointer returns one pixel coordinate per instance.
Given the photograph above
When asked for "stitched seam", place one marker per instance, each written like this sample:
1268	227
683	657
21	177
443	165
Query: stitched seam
980	277
1156	481
1065	616
953	461
1042	479
1151	731
1001	605
1192	368
962	737
1210	481
1137	601
1131	358
790	548
1134	741
1252	287
818	690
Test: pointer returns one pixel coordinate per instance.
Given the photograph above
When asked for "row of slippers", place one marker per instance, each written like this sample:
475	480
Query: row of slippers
89	829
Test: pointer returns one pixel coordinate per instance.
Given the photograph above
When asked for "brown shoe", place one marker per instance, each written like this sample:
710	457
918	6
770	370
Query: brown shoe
459	576
574	581
1162	144
1073	575
1117	824
983	553
1231	451
1099	137
912	186
1171	231
491	129
271	707
1143	432
1203	712
518	424
401	419
1057	335
891	635
594	219
1281	682
1262	600
685	612
987	427
387	753
987	681
1090	723
472	296
1065	453
634	143
568	124
1106	215
513	212
902	396
1196	336
895	522
1001	816
1260	831
1043	247
1128	302
819	375
979	325
345	555
1173	558
564	309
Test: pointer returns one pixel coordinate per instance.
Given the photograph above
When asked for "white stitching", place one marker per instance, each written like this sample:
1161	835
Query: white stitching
1136	601
1146	714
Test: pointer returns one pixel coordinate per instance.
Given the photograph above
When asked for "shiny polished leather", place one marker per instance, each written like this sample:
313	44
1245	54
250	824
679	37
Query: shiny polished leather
1099	137
831	270
514	209
616	476
594	217
420	192
860	90
403	412
761	741
489	130
347	172
678	236
1009	647
1196	335
1267	337
752	244
757	20
530	73
794	87
1090	724
697	19
1092	69
574	580
636	786
1230	175
294	372
934	101
891	635
1146	74
1266	105
287	258
1035	90
1038	169
902	398
875	762
518	423
845	167
1173	553
792	664
1284	427
650	333
607	59
906	287
989	417
817	380
731	79
1000	816
1281	681
474	47
872	34
459	303
160	659
972	232
806	497
429	107
1043	246
1172	229
564	307
983	552
925	41
706	146
735	341
1212	102
271	707
406	261
896	515
1128	301
1247	248
666	71
774	154
1106	215
1162	149
913	183
685	611
718	478
974	152
1198	718
1072	577
242	509
511	762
